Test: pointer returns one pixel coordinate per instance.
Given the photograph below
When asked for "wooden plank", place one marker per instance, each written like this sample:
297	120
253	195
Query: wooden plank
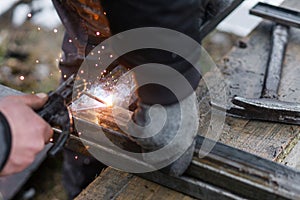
244	69
113	184
107	186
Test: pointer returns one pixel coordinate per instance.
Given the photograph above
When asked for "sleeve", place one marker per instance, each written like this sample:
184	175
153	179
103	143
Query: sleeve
179	15
5	141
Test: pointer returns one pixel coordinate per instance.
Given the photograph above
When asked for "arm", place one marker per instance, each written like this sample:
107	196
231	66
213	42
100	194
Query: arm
24	133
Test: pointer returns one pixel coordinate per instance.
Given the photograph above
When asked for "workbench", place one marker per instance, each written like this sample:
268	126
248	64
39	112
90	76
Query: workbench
244	68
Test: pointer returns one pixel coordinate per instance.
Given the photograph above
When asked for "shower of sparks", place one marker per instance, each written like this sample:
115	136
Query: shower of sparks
22	78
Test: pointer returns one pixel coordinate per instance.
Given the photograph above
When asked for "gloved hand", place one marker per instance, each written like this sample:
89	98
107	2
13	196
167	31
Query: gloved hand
165	123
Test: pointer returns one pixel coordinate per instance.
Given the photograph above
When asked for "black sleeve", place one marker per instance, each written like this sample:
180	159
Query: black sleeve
184	16
5	140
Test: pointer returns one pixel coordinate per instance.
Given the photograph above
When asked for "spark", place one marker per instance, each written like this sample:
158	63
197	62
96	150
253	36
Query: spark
51	140
55	30
102	47
38	28
99	51
29	15
111	56
32	92
104	13
22	78
97	33
70	41
37	61
81	71
65	76
76	157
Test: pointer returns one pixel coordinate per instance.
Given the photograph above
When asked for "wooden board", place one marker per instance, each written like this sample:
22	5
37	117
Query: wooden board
269	140
113	184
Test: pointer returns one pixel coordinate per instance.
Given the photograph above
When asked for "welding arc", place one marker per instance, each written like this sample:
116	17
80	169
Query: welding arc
94	97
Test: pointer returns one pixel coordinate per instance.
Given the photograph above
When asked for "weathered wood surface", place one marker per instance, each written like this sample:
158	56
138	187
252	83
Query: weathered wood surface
113	184
269	140
10	185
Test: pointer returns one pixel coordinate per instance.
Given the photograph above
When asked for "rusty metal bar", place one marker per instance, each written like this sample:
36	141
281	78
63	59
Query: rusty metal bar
225	173
229	173
280	39
279	15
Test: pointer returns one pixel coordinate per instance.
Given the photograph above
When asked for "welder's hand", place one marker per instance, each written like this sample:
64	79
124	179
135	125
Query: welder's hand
29	132
167	122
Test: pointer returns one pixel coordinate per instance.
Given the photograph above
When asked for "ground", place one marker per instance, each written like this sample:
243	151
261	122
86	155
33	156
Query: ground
29	57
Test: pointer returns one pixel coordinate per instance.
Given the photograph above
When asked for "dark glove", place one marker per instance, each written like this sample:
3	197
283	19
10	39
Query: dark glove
168	122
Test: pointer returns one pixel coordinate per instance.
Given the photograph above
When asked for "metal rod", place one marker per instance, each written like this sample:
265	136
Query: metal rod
229	173
280	39
279	15
94	97
225	173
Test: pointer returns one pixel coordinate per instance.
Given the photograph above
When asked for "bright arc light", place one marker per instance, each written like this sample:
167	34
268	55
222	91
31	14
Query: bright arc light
109	101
